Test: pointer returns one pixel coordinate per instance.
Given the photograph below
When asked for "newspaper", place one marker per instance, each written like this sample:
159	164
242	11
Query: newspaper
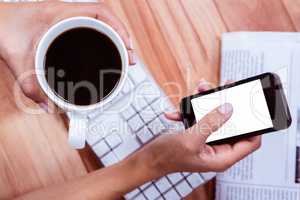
273	172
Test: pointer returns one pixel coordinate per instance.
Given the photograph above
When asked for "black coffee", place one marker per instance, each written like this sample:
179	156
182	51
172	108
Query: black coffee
83	66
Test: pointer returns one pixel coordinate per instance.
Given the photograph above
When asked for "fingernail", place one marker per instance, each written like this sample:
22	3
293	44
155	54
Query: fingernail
203	85
226	109
202	82
44	106
134	58
168	113
131	46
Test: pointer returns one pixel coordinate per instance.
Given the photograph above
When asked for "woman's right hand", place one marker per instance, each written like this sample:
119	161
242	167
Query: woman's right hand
187	151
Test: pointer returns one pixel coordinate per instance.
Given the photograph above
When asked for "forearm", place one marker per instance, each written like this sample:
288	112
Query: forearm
108	183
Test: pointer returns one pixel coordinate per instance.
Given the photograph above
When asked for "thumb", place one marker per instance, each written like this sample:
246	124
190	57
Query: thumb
211	122
30	86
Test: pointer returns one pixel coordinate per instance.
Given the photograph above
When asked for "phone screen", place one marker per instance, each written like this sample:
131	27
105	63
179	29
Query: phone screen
250	109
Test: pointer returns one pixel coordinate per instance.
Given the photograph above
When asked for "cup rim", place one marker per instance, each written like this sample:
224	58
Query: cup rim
57	30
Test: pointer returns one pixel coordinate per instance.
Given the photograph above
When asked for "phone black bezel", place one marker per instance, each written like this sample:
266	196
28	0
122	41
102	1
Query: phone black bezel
276	101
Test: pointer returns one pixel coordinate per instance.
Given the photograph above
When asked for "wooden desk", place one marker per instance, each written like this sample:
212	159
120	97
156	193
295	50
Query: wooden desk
179	40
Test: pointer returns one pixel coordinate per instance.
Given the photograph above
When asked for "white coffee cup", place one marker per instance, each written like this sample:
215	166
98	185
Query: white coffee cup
78	115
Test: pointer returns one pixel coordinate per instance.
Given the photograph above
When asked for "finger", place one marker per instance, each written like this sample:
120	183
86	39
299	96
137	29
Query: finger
103	13
26	78
107	16
175	116
203	85
222	148
226	156
211	122
32	90
229	82
132	57
245	147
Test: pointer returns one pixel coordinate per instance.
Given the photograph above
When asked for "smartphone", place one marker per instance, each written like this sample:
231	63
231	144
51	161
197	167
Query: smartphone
259	107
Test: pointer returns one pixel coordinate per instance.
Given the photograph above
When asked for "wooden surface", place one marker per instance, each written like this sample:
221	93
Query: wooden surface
179	40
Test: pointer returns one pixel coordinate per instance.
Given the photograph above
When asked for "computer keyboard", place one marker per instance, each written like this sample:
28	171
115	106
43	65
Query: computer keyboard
132	120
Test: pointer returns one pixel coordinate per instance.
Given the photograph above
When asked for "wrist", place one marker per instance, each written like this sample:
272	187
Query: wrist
147	164
120	178
144	167
129	174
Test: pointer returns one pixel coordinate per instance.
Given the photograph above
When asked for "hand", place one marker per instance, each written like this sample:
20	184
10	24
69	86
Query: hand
23	24
188	151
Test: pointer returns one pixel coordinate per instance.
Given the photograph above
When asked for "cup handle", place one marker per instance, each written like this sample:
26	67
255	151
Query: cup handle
77	130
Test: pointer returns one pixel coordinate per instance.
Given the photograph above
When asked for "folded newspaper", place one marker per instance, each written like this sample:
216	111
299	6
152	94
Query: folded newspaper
273	172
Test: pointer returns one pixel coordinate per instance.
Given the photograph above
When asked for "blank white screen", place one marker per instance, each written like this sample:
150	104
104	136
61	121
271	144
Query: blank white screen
250	110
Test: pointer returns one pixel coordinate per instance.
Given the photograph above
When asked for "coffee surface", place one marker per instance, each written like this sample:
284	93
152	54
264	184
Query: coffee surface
83	66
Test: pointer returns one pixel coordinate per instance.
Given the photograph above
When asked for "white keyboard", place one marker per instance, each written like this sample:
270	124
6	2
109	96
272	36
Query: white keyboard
132	120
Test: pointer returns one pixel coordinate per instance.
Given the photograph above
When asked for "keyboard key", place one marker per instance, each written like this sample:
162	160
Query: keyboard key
163	184
151	192
185	174
208	175
129	112
93	114
183	188
147	114
127	147
109	159
140	197
171	125
162	105
96	132
144	135
195	180
93	136
128	86
175	178
172	194
139	103
125	132
132	194
136	123
101	148
157	107
137	74
113	140
145	185
97	129
149	91
108	125
156	126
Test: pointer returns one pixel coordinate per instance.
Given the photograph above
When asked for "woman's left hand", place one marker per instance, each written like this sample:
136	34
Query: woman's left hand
22	25
187	151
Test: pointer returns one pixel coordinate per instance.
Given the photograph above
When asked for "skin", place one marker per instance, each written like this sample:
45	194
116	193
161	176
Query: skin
173	152
22	26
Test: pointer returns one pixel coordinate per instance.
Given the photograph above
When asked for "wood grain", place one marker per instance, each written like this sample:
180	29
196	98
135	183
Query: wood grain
293	8
179	40
33	148
255	15
181	35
